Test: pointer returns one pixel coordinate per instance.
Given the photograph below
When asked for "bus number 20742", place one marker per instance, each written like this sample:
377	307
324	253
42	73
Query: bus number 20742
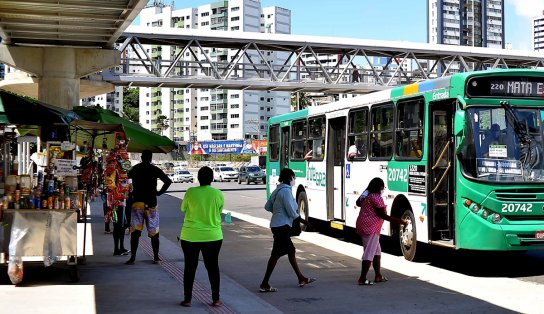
517	207
396	174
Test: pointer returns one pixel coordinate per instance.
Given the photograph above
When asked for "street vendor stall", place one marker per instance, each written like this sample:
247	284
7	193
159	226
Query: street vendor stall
36	221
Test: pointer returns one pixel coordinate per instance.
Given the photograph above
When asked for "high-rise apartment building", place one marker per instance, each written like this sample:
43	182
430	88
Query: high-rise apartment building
538	32
112	101
213	114
477	23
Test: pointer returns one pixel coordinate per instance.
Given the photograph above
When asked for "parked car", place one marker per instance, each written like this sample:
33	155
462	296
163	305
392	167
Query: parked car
181	176
250	174
224	174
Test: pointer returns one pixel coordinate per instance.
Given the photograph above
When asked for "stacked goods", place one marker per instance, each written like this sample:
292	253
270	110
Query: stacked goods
116	174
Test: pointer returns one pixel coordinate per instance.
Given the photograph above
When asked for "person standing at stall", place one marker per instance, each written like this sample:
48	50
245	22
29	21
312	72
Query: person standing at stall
144	204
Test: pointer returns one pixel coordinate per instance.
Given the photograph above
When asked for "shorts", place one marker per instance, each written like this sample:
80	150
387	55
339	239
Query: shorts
140	213
371	245
282	241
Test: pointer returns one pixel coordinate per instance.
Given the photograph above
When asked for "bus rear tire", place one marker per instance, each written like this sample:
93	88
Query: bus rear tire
408	236
302	202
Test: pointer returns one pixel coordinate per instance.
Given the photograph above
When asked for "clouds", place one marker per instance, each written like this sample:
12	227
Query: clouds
527	8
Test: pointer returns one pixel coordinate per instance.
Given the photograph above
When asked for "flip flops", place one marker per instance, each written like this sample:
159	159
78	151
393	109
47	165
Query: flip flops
366	283
382	279
269	289
308	281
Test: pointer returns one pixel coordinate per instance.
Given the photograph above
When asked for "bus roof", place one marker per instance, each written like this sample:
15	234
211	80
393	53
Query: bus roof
418	88
289	116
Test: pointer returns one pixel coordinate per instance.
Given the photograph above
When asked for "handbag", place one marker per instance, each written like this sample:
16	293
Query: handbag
295	228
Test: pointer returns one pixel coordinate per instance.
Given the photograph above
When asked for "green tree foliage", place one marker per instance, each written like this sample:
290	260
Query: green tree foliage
300	100
162	123
131	100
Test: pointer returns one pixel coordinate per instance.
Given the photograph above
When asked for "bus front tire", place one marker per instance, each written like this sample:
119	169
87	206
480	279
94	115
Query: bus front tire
408	236
302	202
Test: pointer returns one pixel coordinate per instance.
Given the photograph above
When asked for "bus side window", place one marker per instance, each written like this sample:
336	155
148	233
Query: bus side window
298	142
316	139
381	137
357	135
409	129
274	143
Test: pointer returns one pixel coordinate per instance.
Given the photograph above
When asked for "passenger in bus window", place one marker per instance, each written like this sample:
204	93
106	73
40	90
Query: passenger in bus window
368	226
492	137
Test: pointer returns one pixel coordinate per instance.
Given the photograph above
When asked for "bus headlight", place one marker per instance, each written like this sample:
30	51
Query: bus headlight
486	213
496	218
475	208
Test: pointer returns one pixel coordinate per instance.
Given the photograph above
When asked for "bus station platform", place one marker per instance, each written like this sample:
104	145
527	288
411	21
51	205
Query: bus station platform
107	285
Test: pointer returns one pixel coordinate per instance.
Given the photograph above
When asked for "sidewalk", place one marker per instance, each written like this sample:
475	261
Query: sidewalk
109	286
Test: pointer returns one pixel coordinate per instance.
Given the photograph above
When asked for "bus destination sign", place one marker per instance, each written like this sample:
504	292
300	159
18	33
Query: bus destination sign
516	87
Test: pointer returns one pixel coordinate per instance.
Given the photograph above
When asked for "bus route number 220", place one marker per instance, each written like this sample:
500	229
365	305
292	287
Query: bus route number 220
396	174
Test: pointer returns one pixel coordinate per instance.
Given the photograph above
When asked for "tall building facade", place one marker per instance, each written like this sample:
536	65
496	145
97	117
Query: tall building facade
477	23
213	114
538	32
112	101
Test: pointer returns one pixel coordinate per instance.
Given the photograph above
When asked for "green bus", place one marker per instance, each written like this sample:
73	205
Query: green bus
462	157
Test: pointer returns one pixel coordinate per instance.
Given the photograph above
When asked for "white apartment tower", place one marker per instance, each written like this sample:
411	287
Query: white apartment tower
538	32
112	101
477	23
214	114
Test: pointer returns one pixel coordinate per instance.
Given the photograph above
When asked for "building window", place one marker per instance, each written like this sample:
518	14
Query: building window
234	96
234	106
203	117
234	126
234	18
205	14
235	115
234	9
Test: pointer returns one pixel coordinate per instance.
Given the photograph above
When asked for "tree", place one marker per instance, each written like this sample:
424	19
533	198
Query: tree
162	123
131	101
300	100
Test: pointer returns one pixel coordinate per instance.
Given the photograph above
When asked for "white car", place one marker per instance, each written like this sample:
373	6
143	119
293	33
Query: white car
182	176
224	174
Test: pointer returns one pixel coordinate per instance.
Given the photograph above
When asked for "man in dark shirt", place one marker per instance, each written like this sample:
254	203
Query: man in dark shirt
144	203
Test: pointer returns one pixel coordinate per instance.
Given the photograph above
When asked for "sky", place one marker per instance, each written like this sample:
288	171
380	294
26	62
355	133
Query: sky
403	20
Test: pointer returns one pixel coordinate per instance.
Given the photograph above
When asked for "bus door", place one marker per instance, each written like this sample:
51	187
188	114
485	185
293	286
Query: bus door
284	150
441	175
336	139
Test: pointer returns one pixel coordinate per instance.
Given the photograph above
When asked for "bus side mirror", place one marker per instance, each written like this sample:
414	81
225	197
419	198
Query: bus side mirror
459	123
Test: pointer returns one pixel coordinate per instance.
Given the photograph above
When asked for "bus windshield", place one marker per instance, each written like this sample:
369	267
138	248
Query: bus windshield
504	143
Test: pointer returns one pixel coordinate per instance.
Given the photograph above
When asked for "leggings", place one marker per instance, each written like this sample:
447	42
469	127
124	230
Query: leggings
210	253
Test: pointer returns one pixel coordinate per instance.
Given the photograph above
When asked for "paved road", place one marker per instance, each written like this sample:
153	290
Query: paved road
450	283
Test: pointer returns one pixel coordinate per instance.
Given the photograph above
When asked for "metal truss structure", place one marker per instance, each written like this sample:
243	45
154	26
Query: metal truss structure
195	63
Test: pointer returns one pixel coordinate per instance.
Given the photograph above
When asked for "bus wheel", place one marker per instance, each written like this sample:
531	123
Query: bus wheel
407	236
302	209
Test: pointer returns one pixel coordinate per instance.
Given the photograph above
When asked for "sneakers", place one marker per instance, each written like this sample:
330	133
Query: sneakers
123	252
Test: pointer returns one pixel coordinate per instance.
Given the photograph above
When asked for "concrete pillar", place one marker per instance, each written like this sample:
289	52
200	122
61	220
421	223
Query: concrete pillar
59	69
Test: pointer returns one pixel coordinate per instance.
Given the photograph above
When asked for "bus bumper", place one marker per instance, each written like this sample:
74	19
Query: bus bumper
476	233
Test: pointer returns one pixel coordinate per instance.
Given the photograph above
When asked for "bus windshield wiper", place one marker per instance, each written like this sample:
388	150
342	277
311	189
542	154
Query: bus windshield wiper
521	132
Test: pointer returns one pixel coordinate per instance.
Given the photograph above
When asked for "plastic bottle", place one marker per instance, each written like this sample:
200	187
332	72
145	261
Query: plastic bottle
228	218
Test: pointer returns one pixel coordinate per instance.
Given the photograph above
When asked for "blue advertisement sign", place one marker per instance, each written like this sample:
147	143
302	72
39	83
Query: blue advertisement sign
216	147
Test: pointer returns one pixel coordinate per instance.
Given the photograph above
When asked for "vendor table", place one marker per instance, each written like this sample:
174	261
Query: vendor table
50	234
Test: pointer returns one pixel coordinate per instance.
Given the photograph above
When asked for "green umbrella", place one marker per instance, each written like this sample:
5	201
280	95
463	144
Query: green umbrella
21	110
139	137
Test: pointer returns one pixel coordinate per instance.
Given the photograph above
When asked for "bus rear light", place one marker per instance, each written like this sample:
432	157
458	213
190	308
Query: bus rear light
496	218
